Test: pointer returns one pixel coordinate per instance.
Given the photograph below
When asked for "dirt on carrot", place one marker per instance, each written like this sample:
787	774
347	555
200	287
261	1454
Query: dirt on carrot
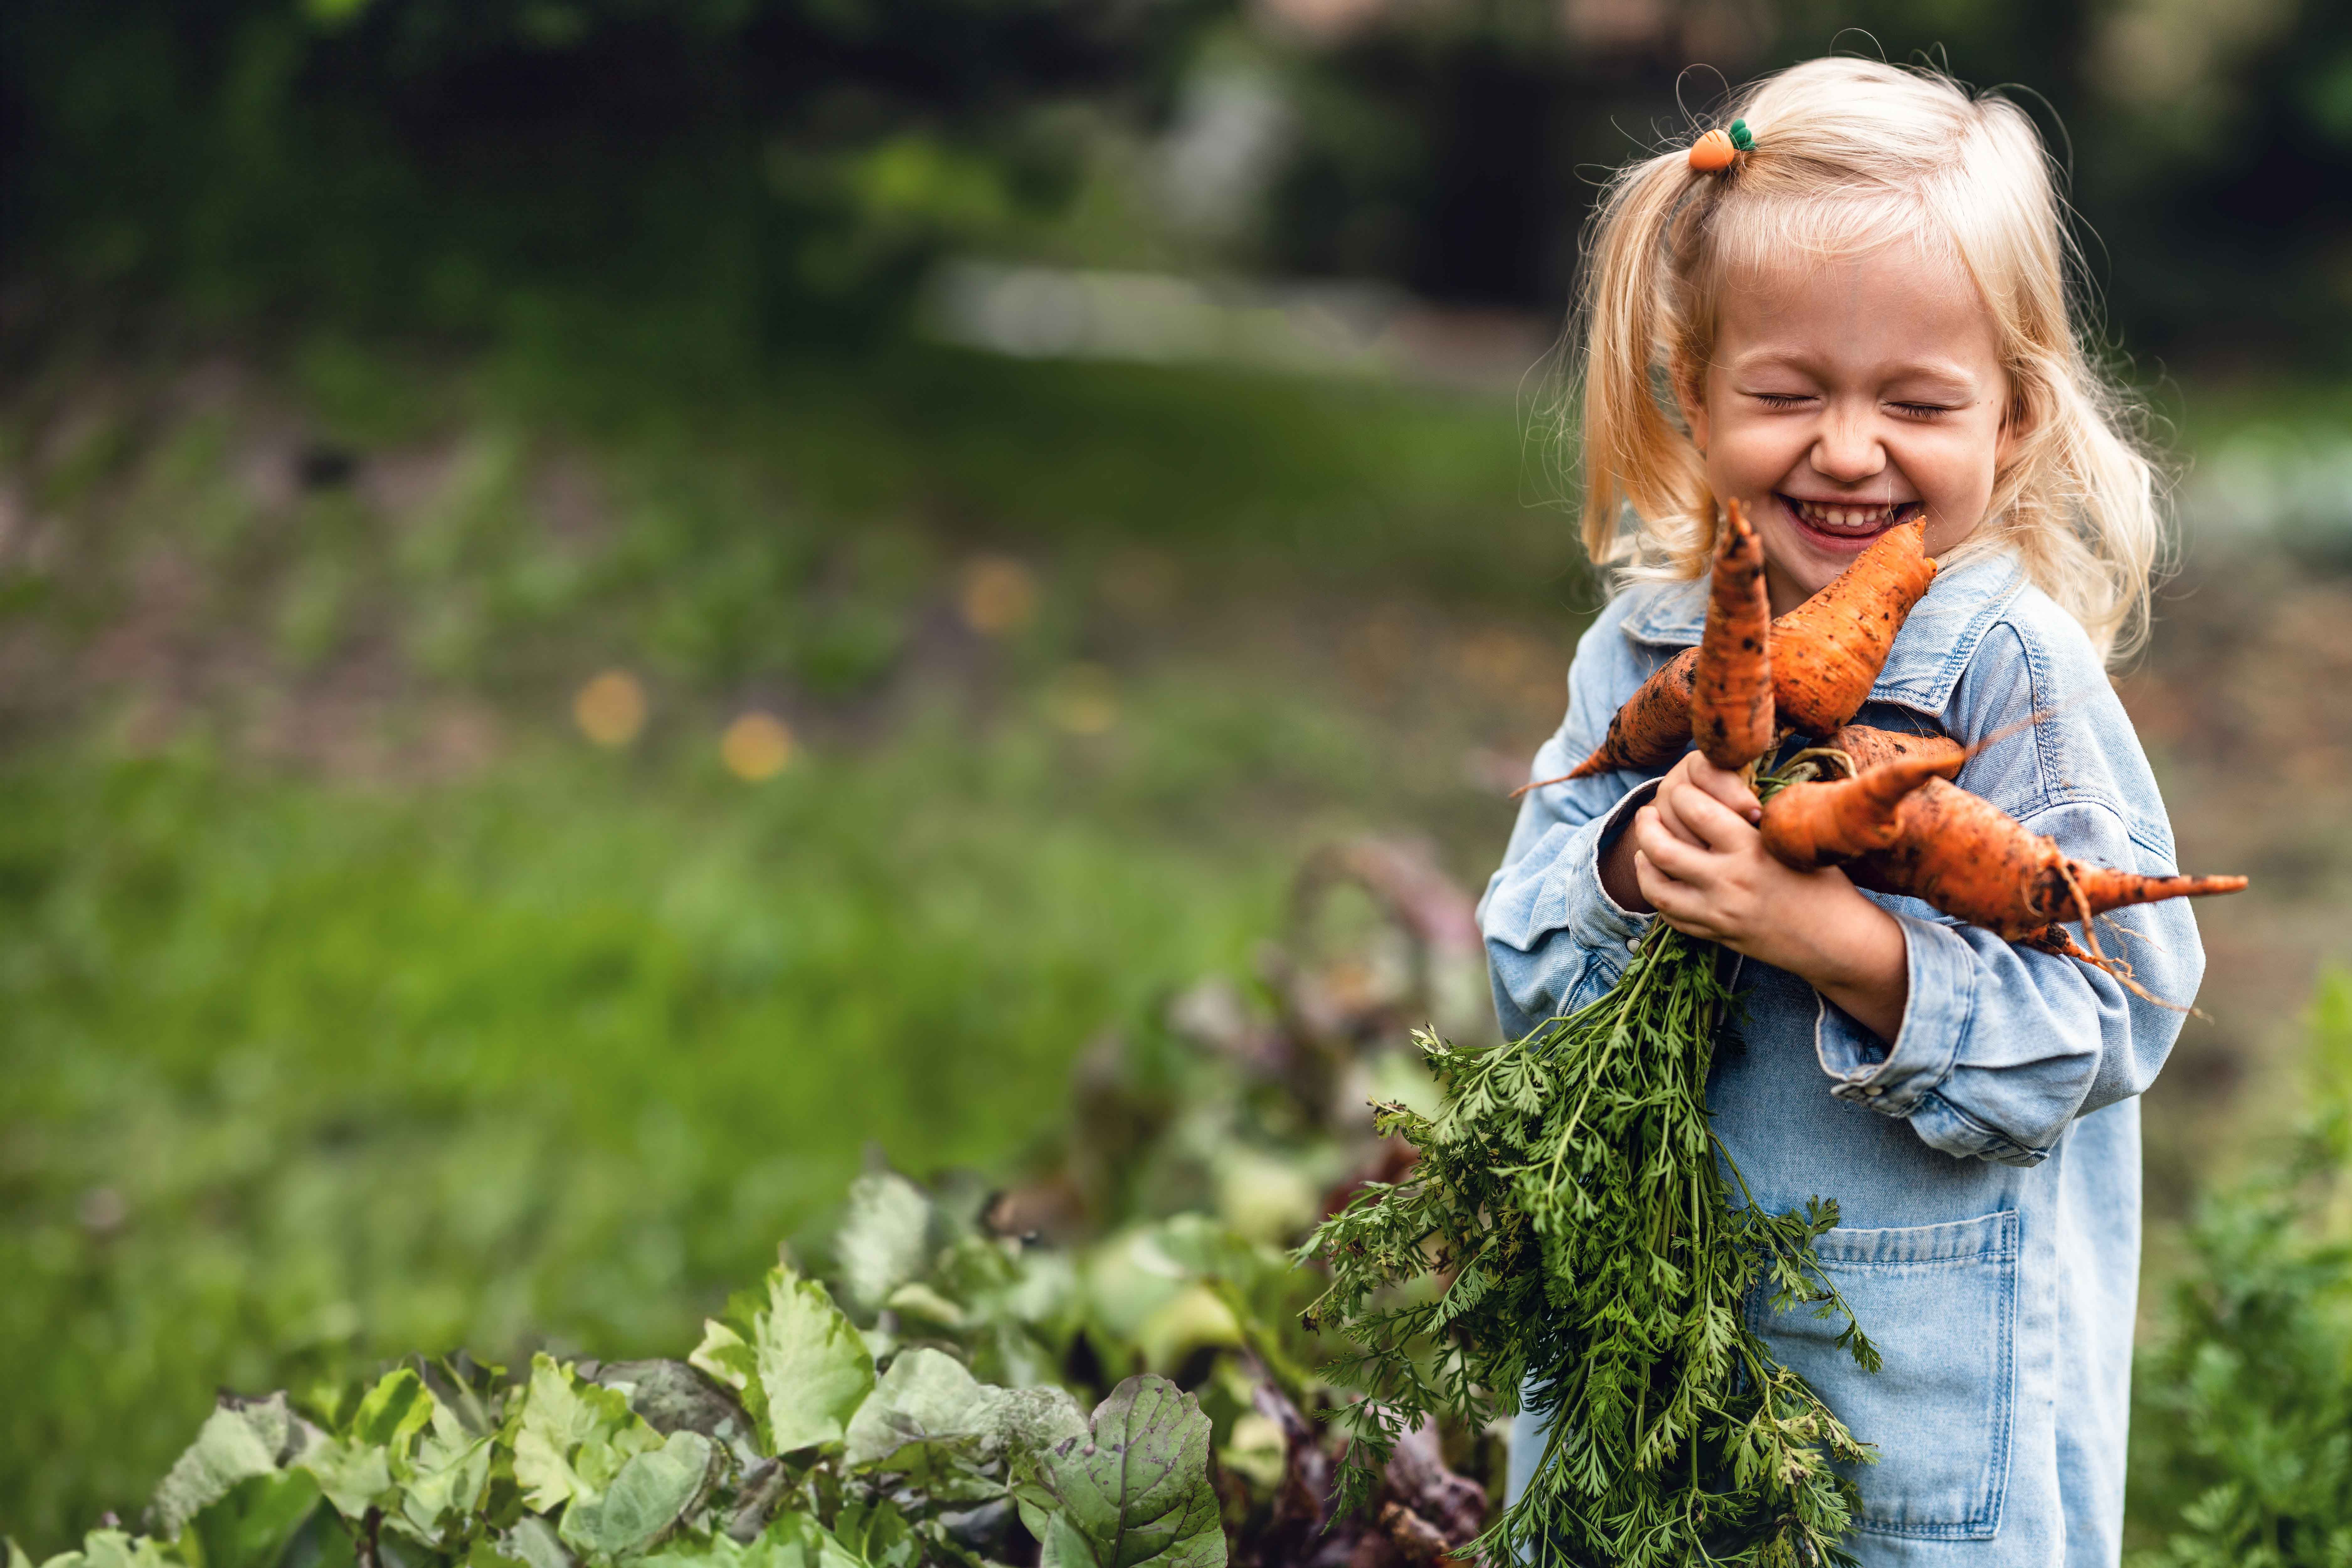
1828	651
1731	691
1965	855
1868	747
1809	825
1824	656
1653	727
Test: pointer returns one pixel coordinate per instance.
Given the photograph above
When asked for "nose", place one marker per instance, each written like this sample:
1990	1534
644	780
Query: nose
1847	451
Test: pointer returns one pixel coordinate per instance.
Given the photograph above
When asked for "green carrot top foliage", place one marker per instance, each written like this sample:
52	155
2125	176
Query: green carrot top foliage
1567	1239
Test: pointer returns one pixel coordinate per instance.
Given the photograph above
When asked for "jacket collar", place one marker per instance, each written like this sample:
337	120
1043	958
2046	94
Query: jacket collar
1966	599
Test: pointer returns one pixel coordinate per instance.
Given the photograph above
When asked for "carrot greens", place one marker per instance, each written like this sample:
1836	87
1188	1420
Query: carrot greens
1573	1238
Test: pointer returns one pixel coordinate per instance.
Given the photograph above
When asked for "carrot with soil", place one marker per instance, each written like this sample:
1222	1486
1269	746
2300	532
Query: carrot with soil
1901	825
1807	825
1975	862
1828	651
1866	747
1823	654
1731	700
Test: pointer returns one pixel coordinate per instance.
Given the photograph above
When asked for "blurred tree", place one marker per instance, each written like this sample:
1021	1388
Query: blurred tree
722	174
715	181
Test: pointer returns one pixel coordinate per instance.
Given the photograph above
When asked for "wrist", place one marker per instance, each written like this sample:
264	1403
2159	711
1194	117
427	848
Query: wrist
1864	964
1857	945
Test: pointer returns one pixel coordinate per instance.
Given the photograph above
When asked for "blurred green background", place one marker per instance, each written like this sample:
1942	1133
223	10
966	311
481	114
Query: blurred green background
609	610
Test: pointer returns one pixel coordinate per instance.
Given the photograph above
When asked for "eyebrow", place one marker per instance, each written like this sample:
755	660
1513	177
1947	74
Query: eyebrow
1941	373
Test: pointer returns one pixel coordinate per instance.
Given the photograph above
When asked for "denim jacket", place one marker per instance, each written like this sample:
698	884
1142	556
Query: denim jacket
1987	1163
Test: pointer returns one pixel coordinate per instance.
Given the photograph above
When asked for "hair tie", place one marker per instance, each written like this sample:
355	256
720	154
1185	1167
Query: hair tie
1715	150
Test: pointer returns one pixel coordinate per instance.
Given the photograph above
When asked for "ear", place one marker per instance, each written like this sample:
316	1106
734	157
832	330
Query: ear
1690	396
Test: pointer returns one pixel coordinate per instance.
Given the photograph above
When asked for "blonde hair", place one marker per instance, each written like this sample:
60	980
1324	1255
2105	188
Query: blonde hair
1848	153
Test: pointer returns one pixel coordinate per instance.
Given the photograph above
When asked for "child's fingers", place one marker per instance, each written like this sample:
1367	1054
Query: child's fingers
1665	809
1678	903
1711	822
1687	863
1723	785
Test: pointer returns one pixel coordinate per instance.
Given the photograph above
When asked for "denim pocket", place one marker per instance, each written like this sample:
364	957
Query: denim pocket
1940	1303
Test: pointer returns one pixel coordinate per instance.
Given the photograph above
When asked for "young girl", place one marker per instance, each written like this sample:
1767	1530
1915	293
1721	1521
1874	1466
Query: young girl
1863	320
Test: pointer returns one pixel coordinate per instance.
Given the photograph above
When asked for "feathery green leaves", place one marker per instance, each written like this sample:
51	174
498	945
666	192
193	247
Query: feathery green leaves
1568	1238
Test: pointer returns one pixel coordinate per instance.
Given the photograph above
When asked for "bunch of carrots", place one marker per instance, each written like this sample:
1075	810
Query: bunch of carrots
1895	820
1567	1241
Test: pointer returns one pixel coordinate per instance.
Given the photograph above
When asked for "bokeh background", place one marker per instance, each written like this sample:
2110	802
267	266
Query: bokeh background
612	611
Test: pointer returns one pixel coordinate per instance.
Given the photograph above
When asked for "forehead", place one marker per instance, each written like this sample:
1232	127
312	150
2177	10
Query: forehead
1901	302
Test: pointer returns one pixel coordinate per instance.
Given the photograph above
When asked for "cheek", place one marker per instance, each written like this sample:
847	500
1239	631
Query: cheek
1955	469
1758	451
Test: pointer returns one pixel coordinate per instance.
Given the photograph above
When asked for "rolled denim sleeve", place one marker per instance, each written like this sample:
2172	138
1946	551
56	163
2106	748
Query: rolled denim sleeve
1554	936
2001	1046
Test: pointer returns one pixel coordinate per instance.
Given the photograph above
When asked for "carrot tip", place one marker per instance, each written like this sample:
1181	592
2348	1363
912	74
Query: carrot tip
1540	783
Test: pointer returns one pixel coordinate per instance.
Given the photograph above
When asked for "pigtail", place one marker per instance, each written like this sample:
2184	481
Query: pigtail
1632	326
2080	499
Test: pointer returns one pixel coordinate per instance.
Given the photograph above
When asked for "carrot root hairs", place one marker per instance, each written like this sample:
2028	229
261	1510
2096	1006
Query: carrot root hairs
2055	940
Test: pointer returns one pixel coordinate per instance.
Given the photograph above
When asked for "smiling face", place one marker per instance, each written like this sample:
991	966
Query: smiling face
1844	398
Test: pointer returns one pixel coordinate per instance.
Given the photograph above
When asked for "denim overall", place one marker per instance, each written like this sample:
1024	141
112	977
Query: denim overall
1987	1164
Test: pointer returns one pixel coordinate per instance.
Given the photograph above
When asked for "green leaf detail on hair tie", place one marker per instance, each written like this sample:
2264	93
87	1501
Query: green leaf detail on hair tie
1741	136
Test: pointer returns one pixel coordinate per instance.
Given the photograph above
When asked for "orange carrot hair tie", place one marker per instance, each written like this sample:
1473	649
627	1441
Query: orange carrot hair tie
1715	150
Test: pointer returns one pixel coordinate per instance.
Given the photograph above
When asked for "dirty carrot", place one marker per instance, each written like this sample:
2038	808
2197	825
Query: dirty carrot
1965	855
1650	731
1826	655
1828	651
1868	747
1809	825
1731	689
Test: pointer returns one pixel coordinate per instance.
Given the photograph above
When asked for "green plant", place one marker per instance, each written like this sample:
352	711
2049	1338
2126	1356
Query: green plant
2241	1450
1567	1231
1568	1238
788	1437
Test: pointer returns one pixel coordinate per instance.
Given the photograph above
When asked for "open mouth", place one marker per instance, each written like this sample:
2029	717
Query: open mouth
1846	526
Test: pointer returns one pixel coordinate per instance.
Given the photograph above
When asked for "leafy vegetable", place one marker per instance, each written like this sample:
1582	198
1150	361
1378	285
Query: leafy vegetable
1135	1492
798	1363
243	1439
885	1241
584	1465
571	1438
649	1495
2249	1464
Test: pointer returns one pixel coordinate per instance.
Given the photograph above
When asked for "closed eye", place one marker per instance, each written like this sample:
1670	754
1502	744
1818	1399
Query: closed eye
1780	399
1921	410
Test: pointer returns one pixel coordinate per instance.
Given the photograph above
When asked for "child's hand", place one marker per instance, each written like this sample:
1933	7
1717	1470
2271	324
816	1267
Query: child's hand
1700	862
